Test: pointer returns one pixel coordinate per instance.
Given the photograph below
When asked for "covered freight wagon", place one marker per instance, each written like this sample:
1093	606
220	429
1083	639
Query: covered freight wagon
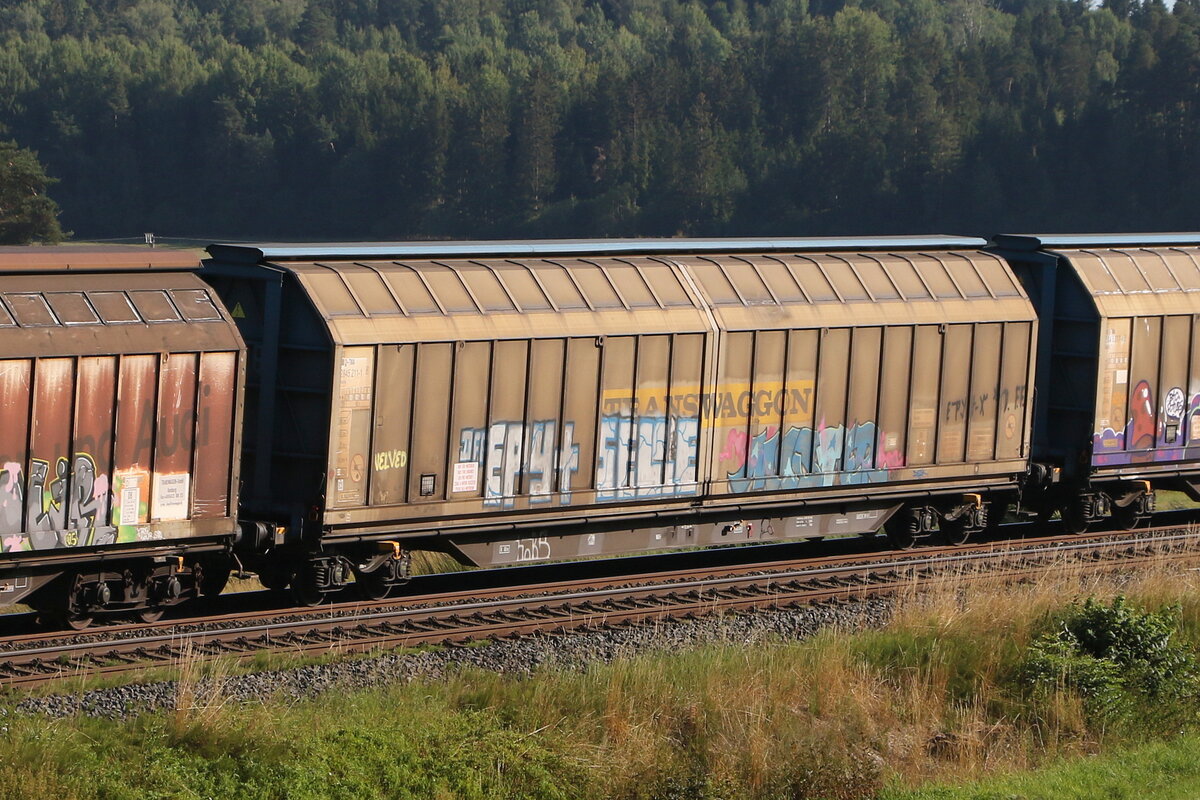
512	401
119	384
1119	363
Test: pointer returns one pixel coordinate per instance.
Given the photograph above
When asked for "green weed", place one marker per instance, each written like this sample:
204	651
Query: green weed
966	681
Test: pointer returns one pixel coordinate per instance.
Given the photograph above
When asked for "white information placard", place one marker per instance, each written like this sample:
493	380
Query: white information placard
466	477
170	497
131	498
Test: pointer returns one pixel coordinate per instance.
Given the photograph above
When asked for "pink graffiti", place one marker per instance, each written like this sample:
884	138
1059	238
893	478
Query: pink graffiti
887	459
13	543
13	470
735	447
101	487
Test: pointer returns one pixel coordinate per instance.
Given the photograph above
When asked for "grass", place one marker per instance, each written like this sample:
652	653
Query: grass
1173	501
930	700
1167	770
929	706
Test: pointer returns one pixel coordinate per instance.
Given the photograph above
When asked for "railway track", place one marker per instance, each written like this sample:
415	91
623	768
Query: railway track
519	610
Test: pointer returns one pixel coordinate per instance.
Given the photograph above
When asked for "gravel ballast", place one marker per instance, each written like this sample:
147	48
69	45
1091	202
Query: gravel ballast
573	650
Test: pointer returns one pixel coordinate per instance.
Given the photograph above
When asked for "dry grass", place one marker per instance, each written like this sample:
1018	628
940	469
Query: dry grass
930	696
205	719
427	562
199	689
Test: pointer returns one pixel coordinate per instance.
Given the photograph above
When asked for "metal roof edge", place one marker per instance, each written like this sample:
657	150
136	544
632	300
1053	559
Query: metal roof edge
1009	241
92	258
581	247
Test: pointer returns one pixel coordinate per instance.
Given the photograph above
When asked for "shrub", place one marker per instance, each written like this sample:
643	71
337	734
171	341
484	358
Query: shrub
1122	661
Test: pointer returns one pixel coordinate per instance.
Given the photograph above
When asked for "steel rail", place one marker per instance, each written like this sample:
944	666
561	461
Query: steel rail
523	585
509	616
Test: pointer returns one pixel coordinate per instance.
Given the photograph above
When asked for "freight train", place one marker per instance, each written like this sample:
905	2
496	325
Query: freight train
316	413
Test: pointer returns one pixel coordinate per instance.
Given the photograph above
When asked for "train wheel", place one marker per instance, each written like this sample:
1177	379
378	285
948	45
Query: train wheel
1126	517
899	530
66	619
150	613
1074	517
276	577
70	611
955	532
304	588
372	585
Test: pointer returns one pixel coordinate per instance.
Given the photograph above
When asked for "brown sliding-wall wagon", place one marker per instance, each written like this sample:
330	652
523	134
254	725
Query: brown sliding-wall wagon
528	401
1118	368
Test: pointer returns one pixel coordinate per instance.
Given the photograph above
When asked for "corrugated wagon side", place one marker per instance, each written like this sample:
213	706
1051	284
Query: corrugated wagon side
120	378
1120	366
895	374
512	401
476	405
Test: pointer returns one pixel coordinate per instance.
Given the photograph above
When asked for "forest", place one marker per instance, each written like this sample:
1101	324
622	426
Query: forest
390	119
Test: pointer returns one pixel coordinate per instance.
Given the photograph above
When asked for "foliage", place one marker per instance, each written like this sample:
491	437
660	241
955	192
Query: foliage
27	213
836	715
429	118
1122	661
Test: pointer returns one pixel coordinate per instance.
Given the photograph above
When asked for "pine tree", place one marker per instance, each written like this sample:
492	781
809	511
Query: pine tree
27	214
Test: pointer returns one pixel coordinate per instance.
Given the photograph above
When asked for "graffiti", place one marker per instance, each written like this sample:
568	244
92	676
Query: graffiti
66	508
45	511
89	495
1013	399
12	499
729	401
391	459
860	448
827	450
979	404
1141	408
837	456
1173	414
652	457
1172	437
735	446
508	451
762	458
956	410
533	549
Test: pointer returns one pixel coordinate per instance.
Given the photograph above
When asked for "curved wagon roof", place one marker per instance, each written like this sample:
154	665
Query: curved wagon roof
1127	274
83	300
380	292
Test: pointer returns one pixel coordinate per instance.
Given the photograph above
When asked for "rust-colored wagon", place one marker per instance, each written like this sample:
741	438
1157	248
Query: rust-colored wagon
120	376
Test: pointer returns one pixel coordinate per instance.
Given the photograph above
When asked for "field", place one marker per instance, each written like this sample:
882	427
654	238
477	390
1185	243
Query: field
965	683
